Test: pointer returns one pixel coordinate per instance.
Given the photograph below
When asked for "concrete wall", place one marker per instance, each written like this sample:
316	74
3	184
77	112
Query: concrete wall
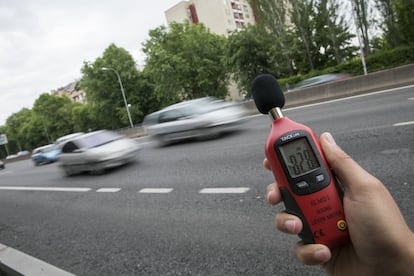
386	79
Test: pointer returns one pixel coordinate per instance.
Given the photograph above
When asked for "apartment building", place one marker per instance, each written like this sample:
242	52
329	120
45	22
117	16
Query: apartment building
71	92
219	16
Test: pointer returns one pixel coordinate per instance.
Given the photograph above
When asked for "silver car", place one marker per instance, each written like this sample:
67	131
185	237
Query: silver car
200	118
322	79
61	140
96	151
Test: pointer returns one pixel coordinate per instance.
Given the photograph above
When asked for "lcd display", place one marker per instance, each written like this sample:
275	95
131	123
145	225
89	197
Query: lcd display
299	157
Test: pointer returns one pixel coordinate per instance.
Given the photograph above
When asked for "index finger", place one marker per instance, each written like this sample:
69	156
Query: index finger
266	164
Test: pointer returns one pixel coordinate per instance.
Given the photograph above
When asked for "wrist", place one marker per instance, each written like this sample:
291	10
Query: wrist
403	262
407	264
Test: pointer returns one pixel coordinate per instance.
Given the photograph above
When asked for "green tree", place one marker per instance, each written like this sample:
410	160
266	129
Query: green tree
388	24
185	62
272	15
82	118
54	114
3	151
14	130
34	133
405	18
252	51
331	35
319	34
107	107
364	20
303	31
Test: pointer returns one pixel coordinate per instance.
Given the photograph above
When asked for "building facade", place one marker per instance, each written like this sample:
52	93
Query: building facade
71	92
219	16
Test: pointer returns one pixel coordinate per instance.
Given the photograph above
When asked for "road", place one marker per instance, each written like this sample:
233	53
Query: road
157	216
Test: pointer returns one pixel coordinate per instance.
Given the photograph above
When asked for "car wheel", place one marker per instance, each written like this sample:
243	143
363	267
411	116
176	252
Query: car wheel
68	171
163	140
208	134
96	172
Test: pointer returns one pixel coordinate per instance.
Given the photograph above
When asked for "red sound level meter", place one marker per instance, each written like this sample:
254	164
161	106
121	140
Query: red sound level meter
308	187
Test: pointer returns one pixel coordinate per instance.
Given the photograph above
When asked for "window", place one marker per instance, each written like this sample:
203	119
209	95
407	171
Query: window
169	116
69	147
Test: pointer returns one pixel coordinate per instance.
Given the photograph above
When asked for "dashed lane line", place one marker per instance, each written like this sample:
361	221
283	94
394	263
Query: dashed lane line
155	191
403	123
234	190
44	189
108	190
226	190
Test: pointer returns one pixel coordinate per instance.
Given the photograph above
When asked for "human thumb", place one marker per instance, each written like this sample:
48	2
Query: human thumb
351	175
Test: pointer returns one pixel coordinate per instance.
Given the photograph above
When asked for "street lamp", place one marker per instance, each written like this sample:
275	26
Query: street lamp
122	90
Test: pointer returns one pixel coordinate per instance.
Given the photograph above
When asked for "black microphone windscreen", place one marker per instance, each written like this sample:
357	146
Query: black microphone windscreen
266	93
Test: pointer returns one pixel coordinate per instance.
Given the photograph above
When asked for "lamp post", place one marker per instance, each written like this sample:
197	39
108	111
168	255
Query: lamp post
122	90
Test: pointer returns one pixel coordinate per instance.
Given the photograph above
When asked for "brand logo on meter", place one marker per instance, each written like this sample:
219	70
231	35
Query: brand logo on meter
289	136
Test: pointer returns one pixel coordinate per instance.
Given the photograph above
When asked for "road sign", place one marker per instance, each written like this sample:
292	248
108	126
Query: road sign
3	139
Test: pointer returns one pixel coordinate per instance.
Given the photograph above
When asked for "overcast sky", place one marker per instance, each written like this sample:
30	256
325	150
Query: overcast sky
43	43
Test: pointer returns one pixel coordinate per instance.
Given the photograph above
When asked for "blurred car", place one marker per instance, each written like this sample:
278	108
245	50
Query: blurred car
45	154
12	156
96	151
322	79
200	118
2	166
61	140
23	153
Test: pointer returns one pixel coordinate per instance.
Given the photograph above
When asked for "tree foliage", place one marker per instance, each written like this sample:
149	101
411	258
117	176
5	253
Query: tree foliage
104	94
185	62
405	19
55	114
314	37
362	11
273	16
251	52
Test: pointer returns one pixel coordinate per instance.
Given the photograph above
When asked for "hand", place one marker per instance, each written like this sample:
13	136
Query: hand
381	241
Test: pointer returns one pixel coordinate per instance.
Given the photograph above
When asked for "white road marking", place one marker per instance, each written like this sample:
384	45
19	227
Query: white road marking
44	189
234	190
411	99
155	190
20	263
108	190
404	123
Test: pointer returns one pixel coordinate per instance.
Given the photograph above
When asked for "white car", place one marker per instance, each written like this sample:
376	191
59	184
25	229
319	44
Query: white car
97	151
199	118
61	140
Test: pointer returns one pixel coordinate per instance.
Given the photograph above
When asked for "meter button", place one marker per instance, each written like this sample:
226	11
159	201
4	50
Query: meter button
320	177
341	224
302	185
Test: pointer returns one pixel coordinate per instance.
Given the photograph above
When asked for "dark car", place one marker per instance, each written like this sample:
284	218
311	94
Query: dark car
45	154
322	79
2	166
97	151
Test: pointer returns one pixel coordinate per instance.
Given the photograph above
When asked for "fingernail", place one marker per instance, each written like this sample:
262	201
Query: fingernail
329	138
290	226
321	255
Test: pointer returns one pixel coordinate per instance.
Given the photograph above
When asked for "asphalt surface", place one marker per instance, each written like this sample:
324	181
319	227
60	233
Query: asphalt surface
181	231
